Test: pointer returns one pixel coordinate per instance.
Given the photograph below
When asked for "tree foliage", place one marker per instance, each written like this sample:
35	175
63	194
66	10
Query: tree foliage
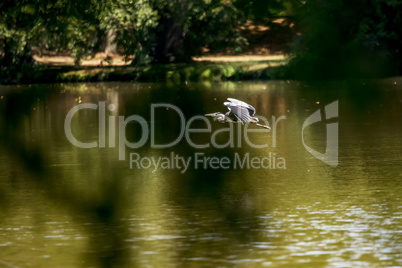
339	38
54	24
261	9
343	39
75	26
196	24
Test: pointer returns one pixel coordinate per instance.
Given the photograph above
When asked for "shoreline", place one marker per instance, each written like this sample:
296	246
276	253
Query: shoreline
221	69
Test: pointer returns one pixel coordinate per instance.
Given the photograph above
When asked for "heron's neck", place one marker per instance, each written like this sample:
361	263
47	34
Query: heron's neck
221	118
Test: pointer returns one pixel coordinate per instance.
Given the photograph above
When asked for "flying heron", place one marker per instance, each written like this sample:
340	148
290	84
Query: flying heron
239	112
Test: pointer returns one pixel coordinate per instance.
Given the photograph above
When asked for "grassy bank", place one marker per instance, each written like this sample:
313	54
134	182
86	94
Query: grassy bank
195	71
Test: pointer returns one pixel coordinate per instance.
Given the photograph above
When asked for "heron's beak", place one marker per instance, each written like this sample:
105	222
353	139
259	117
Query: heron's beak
209	114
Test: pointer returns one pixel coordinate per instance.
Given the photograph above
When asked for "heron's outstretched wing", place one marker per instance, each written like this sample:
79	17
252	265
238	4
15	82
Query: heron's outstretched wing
242	113
250	108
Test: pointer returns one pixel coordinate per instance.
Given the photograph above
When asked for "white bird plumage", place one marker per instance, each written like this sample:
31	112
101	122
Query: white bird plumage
239	112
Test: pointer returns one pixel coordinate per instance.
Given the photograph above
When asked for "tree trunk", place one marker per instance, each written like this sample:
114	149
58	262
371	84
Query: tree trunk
110	46
169	44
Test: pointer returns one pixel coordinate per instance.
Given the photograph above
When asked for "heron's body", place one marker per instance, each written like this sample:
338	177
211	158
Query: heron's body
239	112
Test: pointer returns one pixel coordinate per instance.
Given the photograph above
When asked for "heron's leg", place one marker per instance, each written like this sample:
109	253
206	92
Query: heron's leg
264	126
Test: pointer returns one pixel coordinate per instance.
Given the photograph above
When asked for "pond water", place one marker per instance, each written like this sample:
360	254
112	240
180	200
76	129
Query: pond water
160	185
